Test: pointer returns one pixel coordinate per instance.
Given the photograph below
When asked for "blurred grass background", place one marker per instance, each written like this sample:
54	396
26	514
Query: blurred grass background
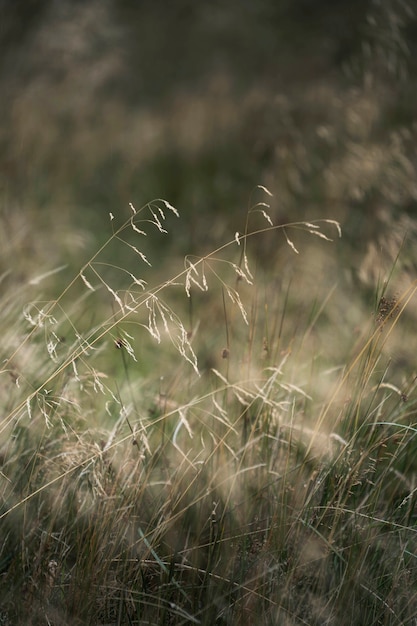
106	103
110	102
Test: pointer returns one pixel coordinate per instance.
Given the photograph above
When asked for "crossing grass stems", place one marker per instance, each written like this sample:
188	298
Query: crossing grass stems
237	488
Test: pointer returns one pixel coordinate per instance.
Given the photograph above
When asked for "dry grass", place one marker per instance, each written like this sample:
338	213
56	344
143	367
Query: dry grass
273	483
230	437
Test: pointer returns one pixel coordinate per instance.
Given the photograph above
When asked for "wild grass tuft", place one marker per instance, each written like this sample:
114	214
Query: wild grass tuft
217	470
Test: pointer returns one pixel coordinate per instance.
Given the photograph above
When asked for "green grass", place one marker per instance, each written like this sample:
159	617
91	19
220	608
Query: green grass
228	468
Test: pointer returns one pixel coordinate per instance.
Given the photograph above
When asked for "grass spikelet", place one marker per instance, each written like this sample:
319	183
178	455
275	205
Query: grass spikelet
289	242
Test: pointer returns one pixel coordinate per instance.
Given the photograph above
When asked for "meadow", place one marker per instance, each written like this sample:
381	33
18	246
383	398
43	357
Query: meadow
208	228
207	443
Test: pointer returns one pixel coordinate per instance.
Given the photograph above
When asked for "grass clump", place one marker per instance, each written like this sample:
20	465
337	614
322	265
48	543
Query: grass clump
232	475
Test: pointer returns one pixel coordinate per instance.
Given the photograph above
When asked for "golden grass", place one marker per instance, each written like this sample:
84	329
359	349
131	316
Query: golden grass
272	484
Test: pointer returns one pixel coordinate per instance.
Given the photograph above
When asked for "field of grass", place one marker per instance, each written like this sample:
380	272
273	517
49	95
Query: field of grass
207	407
213	443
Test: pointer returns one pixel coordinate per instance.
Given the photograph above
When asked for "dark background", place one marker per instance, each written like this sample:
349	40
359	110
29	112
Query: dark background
109	102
